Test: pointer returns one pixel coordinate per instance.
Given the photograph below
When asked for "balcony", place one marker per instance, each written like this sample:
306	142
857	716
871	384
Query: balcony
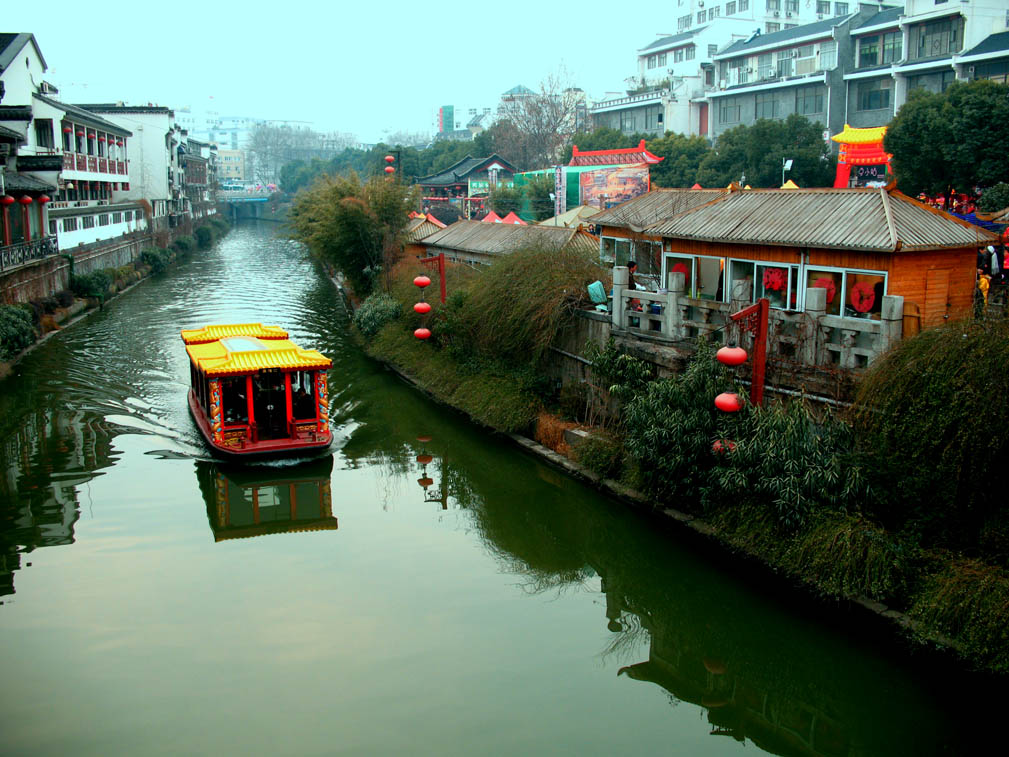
20	253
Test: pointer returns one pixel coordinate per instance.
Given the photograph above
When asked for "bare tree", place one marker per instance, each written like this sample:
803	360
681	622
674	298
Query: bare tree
535	126
271	147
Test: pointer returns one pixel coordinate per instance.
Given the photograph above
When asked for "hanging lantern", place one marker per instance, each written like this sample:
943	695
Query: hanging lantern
25	200
44	199
424	459
68	129
422	333
6	200
731	355
721	446
422	307
729	402
70	185
422	281
119	143
423	439
425	481
390	170
101	139
80	132
389	159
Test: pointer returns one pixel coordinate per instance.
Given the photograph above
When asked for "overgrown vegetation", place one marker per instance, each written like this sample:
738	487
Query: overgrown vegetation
994	198
16	330
156	258
95	284
375	312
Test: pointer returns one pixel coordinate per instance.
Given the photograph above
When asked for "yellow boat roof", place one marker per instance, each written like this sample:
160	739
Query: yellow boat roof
213	333
247	348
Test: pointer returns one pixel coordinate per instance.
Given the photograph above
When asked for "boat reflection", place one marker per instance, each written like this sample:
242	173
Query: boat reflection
247	501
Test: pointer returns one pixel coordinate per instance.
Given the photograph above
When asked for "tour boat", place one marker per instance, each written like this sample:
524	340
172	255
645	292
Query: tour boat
255	394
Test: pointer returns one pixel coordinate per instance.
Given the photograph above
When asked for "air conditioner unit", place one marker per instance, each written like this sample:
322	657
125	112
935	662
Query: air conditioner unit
777	13
749	70
788	14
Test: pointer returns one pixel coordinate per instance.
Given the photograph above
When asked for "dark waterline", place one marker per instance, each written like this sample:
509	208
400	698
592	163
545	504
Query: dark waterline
155	601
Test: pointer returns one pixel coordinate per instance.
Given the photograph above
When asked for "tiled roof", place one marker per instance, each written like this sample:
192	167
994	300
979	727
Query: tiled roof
422	226
15	113
457	173
79	114
213	333
672	40
885	16
19	182
873	220
9	135
652	207
993	43
626	156
518	90
11	45
503	238
782	37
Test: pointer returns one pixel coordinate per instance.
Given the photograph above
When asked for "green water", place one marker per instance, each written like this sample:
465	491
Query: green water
156	602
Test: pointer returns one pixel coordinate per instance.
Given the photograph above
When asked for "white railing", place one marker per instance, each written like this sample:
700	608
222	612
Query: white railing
811	337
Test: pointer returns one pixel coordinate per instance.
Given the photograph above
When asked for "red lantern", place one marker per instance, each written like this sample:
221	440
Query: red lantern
422	307
68	129
423	439
6	200
44	199
731	356
729	402
422	333
25	200
424	459
722	446
862	296
119	142
422	281
390	169
389	159
425	482
80	132
101	139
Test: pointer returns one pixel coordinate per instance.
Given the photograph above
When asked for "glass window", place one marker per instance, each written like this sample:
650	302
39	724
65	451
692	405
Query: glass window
709	284
809	100
662	59
648	257
892	42
863	294
712	50
769	28
744	5
651	61
773	5
840	9
874	95
678	55
691	52
303	395
680	264
822	6
742	273
729	110
868	51
767	105
828	55
730	8
772	282
792	6
765	66
833	282
233	400
701	15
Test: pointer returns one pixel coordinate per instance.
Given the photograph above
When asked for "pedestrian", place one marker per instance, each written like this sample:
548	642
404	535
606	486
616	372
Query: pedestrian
632	268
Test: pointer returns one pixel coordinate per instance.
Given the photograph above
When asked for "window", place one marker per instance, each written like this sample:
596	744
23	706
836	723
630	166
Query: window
892	43
117	218
744	5
712	50
772	28
616	251
840	9
627	122
653	119
44	133
87	222
828	55
714	12
678	55
69	224
809	100
729	110
648	257
874	95
855	294
683	23
730	8
805	62
791	6
662	59
691	51
773	5
767	105
868	51
765	66
52	227
938	38
128	215
784	63
822	7
700	17
652	60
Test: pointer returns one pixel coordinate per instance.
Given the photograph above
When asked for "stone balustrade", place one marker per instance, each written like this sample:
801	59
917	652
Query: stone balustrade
811	337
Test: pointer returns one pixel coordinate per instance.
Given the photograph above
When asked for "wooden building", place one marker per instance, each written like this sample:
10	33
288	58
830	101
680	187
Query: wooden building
420	226
858	244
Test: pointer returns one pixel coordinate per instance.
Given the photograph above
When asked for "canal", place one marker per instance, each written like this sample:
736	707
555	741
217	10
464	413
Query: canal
426	589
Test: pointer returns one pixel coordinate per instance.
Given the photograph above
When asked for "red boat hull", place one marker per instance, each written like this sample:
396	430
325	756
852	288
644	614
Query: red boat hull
258	450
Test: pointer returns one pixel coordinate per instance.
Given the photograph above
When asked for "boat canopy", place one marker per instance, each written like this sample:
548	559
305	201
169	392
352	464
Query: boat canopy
244	349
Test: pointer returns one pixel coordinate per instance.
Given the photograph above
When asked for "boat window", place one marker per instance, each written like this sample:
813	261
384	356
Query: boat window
303	395
233	400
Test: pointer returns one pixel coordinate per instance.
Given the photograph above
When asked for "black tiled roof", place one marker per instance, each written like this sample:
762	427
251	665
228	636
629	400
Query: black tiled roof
885	16
783	36
456	174
993	43
15	113
9	135
19	182
672	40
86	116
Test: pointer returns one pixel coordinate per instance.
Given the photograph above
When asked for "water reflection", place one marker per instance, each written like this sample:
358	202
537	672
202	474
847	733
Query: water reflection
247	501
46	455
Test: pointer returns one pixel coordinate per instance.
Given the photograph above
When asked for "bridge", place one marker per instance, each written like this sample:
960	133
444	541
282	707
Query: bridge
243	203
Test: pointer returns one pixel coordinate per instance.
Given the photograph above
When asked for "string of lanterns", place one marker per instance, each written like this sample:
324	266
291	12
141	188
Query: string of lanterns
423	307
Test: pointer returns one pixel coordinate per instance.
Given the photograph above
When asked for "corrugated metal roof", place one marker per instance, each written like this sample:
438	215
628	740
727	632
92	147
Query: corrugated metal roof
502	238
851	219
657	205
223	331
420	227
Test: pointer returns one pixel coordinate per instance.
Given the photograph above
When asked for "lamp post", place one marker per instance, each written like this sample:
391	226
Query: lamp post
786	165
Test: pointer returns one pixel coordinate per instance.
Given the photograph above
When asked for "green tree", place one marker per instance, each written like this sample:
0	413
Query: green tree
504	199
356	226
756	152
682	157
953	140
538	192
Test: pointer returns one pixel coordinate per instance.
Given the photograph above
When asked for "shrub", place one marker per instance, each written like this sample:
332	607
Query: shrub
16	331
65	298
157	259
602	454
184	244
671	425
220	224
994	198
95	284
204	237
376	312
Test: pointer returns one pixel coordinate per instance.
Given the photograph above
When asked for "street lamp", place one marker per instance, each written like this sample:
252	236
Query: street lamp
786	165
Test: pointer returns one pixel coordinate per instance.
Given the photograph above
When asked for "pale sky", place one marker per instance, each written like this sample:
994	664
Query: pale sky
369	69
